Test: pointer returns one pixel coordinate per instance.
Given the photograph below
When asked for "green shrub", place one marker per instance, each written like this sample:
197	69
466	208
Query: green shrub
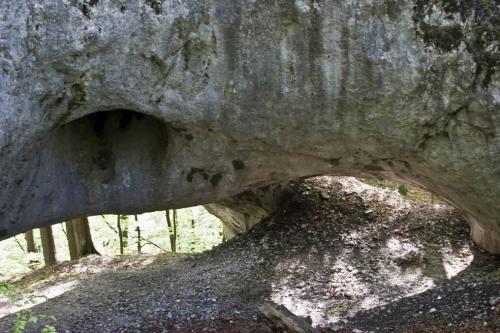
403	189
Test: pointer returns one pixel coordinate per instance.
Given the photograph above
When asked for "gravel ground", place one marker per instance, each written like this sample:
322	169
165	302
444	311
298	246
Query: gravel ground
352	257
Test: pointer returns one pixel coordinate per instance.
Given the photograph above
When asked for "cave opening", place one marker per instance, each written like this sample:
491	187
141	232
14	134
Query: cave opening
104	162
339	251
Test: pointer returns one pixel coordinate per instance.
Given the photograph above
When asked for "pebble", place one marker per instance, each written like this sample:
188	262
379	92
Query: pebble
494	301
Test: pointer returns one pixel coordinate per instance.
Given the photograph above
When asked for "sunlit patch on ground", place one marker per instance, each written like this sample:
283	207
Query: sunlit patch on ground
342	290
455	261
375	264
42	285
30	299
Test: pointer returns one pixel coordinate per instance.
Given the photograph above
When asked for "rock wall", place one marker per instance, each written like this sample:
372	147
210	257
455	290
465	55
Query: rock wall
236	95
243	211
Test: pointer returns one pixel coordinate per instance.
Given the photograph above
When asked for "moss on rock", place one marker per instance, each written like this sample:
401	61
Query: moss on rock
445	24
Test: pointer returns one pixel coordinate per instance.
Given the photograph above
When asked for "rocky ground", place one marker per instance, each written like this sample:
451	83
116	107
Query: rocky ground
352	257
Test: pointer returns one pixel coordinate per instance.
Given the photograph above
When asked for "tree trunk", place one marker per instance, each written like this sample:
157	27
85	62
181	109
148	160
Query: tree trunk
172	231
124	224
30	241
174	220
79	238
138	230
139	244
71	237
48	246
193	236
120	233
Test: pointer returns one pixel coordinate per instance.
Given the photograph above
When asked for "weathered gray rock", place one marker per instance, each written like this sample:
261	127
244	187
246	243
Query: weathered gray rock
235	95
243	211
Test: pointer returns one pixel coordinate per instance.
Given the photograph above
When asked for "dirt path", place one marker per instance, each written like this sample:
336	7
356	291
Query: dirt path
352	257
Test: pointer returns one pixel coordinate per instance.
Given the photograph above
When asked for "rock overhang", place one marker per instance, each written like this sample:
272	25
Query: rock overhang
291	90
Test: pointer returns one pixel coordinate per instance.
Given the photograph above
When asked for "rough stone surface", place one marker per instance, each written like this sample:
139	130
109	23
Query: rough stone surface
243	211
235	95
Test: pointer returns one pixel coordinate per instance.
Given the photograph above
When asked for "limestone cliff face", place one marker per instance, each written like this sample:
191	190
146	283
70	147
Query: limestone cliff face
130	106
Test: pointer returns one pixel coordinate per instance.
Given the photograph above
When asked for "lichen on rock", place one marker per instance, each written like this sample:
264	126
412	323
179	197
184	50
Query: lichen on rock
447	24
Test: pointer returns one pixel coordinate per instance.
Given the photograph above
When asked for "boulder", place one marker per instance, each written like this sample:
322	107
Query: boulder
132	106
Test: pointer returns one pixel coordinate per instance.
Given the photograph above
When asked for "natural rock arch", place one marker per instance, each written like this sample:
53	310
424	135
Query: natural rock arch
253	93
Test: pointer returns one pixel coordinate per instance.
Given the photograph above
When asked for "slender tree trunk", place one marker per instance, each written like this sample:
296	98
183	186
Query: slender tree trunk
79	238
175	229
171	231
138	230
63	230
139	245
20	245
193	234
120	234
48	246
125	230
30	242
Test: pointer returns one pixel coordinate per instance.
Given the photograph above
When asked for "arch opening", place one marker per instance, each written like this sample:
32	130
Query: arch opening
105	162
336	250
115	156
121	161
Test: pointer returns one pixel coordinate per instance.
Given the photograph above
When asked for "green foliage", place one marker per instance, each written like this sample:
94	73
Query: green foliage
6	287
23	318
403	189
49	329
340	309
10	291
197	231
207	233
15	294
495	275
14	260
27	317
410	192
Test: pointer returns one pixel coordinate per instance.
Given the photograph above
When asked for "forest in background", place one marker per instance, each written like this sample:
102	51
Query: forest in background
196	231
190	230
